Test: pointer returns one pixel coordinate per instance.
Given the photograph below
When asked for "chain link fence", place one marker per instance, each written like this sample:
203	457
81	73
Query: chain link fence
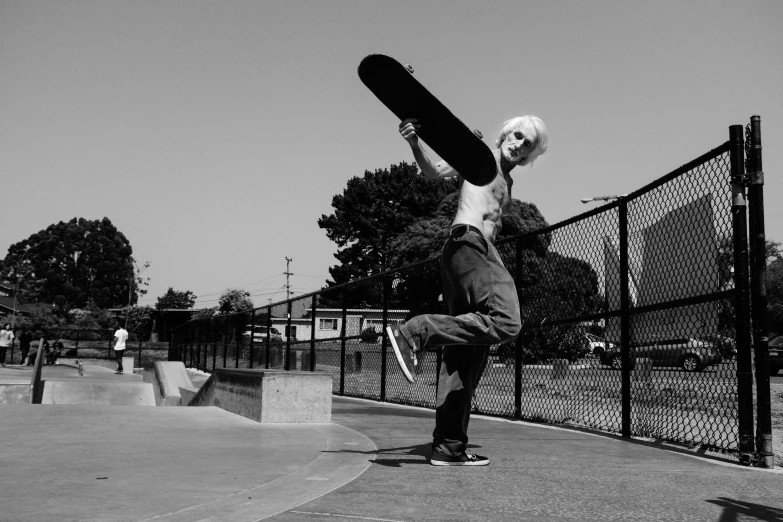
633	321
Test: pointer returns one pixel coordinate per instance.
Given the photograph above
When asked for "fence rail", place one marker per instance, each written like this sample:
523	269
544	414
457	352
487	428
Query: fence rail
89	343
635	319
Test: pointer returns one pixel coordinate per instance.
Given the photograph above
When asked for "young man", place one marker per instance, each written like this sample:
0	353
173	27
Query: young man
6	337
120	336
478	290
25	340
57	350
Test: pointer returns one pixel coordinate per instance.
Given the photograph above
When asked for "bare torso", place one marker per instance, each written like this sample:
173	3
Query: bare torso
483	207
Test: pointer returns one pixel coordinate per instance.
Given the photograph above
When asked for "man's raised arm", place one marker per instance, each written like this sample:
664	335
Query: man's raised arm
429	167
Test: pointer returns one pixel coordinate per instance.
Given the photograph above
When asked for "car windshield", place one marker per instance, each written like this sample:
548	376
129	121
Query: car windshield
777	341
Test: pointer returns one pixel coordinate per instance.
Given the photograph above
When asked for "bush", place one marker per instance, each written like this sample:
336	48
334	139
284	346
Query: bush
555	342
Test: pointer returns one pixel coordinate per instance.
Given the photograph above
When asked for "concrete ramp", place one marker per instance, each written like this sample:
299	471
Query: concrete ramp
167	379
97	393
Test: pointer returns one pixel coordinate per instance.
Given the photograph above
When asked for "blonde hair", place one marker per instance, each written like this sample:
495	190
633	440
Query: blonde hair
533	125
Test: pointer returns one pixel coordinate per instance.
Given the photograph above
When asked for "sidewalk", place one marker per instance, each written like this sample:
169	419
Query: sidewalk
134	463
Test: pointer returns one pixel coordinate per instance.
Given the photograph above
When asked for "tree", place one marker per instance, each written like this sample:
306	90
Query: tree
204	313
140	321
554	286
181	300
375	209
72	263
425	237
235	300
418	290
774	288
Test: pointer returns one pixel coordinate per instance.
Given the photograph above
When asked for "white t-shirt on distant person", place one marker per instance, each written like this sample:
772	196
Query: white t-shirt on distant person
122	336
6	336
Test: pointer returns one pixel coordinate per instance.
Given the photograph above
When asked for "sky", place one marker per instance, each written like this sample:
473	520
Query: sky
215	134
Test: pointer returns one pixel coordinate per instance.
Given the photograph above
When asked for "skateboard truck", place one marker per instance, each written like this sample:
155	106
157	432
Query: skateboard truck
409	67
478	133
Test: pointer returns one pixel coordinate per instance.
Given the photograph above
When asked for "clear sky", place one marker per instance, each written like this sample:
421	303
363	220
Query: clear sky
214	134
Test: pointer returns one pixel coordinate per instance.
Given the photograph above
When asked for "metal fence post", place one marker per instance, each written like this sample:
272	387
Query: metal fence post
288	338
342	345
312	334
518	343
384	341
210	338
225	343
237	339
198	343
140	352
742	299
268	334
625	321
203	335
758	293
252	333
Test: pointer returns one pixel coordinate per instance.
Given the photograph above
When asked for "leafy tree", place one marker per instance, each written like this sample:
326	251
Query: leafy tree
140	321
418	289
43	320
773	251
181	300
235	300
375	209
775	295
552	287
73	263
425	237
204	313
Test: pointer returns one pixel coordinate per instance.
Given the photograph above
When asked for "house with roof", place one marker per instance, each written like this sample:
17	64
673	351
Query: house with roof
329	322
10	305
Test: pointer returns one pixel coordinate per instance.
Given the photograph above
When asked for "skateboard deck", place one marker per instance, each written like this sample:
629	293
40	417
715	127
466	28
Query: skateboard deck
394	84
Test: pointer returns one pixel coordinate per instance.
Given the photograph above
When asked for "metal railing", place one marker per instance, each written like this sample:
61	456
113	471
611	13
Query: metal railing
661	274
89	342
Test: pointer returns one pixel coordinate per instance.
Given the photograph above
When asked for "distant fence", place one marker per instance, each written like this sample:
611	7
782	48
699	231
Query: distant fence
661	274
91	343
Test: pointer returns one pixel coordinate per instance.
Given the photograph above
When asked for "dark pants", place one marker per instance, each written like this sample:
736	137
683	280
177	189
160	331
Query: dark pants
484	310
25	351
118	356
2	354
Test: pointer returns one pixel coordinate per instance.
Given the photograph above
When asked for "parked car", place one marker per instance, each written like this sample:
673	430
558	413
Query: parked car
776	355
597	345
259	334
689	354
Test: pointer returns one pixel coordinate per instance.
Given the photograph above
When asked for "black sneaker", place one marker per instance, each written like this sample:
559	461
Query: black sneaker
405	352
465	459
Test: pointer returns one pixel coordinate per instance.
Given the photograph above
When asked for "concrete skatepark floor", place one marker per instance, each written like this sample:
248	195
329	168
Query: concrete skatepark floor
135	463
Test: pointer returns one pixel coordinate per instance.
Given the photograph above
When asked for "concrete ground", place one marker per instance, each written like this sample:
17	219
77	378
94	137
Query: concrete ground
134	463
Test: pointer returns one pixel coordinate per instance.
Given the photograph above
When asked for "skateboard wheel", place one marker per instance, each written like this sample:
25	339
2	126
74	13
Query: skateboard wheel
478	133
409	67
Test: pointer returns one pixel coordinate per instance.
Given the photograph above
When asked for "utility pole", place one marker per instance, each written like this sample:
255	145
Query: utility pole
287	275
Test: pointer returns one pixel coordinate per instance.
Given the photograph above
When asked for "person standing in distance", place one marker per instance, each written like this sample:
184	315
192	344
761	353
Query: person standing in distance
6	338
25	340
120	336
478	290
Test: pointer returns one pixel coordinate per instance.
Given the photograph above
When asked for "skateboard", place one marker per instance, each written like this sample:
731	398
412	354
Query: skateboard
394	84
